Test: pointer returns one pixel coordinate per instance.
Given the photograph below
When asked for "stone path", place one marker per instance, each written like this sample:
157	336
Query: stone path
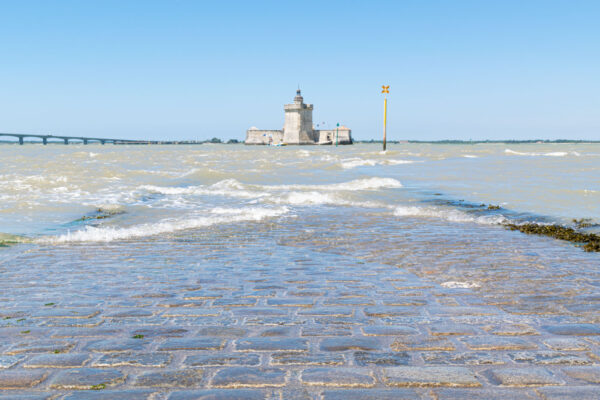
188	319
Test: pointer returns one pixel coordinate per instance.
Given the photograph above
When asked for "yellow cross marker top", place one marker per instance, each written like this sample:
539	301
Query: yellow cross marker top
386	89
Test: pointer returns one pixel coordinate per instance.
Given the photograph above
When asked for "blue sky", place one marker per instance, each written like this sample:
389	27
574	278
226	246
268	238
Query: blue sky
194	69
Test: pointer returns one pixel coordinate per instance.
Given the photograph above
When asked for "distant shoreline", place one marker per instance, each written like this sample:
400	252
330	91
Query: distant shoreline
447	141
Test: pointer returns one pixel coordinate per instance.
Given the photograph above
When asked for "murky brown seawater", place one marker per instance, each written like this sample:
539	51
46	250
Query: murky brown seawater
297	273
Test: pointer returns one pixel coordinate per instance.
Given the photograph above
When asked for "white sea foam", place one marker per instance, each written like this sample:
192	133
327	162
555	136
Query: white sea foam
215	217
234	188
470	156
451	215
460	285
349	163
356	184
550	154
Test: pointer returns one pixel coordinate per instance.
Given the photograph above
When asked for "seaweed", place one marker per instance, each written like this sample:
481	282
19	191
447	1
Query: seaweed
101	213
493	207
590	241
584	223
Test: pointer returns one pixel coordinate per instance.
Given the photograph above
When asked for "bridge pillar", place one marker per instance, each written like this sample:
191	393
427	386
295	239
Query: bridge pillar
45	141
66	141
84	141
103	141
20	139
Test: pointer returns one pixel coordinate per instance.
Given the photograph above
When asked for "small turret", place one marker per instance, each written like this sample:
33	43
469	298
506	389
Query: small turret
298	99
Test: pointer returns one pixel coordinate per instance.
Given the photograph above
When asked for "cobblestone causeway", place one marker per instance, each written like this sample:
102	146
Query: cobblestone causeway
190	319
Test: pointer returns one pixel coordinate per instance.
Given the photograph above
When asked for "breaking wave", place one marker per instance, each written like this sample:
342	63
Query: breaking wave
448	215
550	154
359	162
219	216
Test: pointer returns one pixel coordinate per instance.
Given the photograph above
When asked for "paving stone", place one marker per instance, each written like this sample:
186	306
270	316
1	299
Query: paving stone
306	293
327	330
219	394
159	331
217	360
129	394
239	302
273	321
291	302
87	378
455	311
371	394
271	344
510	330
9	361
573	329
84	333
294	358
497	343
191	312
412	343
549	357
222	331
340	376
470	358
294	394
181	303
279	331
384	311
202	295
15	396
525	376
116	345
200	343
566	344
349	301
350	343
451	330
385	330
69	360
570	392
41	346
484	394
67	313
257	311
21	379
238	377
327	312
73	322
157	360
348	321
129	313
173	379
588	374
364	358
430	376
404	301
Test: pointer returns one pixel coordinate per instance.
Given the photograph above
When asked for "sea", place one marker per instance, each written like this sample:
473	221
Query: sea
53	194
321	250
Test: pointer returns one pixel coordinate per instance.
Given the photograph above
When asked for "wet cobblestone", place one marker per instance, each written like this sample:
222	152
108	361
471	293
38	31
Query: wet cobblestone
164	321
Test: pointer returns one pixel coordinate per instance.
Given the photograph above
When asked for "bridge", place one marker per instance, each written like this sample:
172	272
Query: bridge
66	139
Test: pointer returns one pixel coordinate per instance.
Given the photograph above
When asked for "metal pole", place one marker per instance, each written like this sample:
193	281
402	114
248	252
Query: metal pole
384	122
336	134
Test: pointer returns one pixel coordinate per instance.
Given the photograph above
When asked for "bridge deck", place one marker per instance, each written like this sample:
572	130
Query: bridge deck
83	139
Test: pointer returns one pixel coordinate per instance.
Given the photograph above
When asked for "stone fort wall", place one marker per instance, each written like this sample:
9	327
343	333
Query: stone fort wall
256	136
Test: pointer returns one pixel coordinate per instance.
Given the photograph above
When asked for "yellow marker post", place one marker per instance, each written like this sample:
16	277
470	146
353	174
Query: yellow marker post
386	89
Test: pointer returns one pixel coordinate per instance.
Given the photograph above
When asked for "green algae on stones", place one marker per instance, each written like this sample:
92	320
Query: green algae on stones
584	223
590	241
102	213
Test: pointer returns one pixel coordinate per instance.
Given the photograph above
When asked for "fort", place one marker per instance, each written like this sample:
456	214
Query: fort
298	129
